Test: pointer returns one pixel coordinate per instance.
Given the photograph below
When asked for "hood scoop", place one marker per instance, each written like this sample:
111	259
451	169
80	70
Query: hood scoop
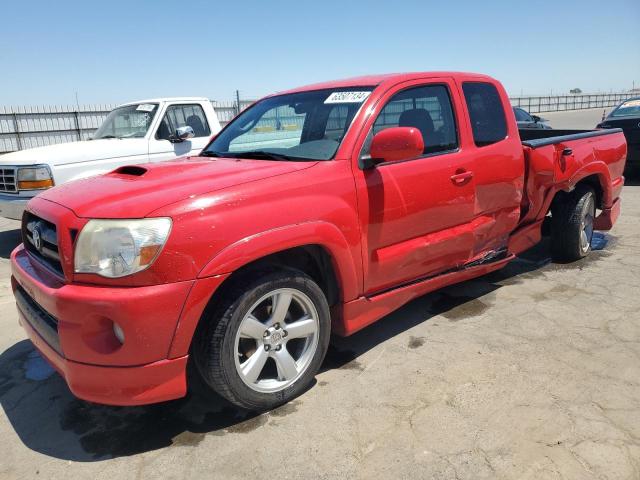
132	170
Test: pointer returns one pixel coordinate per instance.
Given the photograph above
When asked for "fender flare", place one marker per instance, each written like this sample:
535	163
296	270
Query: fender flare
259	245
599	169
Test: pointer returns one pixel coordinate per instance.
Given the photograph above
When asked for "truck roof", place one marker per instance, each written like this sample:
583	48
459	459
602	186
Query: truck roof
375	80
168	99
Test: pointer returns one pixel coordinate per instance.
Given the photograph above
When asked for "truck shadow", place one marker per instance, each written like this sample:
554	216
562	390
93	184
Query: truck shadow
49	420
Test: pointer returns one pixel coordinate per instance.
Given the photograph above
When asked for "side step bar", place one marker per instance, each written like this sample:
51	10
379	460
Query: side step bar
491	257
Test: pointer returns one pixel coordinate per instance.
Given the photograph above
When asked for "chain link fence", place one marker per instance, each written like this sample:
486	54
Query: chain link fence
559	103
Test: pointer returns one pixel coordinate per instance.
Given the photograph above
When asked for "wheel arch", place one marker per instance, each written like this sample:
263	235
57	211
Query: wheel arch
317	249
596	175
321	242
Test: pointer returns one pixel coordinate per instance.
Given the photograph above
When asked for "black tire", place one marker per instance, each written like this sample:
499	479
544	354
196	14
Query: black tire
572	215
215	348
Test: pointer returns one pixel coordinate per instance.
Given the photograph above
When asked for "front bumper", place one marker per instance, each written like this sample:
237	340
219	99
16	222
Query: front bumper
72	326
12	206
151	383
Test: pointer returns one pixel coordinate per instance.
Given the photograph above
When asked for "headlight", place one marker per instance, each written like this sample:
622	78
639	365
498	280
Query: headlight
34	178
117	248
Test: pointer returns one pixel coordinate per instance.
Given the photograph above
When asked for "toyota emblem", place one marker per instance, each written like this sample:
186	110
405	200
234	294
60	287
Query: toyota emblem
37	238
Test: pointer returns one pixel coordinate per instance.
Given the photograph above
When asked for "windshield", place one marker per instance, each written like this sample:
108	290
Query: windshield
131	121
297	126
628	108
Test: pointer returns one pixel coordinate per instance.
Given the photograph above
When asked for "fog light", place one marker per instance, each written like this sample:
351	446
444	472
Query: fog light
117	331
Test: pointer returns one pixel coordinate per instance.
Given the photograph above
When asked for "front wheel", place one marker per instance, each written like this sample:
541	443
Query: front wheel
266	340
572	225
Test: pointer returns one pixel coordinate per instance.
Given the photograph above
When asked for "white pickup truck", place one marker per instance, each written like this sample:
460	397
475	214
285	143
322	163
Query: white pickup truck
138	132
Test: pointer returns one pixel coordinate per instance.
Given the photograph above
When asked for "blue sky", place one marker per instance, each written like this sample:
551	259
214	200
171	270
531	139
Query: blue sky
118	51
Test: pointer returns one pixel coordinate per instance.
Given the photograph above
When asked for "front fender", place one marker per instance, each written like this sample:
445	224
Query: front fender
259	245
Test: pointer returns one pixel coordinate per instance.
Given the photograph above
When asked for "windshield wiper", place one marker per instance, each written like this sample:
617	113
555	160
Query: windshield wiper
264	155
106	136
209	153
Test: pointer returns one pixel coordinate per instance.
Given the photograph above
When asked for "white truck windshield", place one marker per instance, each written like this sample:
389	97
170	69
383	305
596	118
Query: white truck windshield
130	121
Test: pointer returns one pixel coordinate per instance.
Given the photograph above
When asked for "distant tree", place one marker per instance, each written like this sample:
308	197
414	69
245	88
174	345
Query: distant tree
575	91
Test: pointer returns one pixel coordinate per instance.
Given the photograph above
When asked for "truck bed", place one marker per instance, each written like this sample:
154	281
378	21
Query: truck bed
539	138
557	159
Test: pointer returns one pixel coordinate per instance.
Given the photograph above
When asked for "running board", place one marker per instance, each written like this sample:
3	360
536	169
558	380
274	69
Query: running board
363	311
490	257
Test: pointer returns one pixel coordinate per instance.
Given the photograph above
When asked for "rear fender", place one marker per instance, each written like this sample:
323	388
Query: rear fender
260	245
597	168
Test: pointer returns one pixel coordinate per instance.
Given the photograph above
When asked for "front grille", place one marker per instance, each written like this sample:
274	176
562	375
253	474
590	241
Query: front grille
41	241
8	180
40	320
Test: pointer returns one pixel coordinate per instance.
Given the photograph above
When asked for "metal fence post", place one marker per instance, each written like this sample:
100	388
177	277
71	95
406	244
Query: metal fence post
16	127
78	129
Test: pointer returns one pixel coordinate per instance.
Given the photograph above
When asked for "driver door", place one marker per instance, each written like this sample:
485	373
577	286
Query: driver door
417	215
161	147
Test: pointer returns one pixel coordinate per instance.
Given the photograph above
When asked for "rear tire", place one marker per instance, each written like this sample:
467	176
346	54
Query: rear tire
572	225
263	344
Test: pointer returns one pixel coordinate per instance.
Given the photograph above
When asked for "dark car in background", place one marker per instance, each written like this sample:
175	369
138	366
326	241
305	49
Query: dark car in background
627	117
526	120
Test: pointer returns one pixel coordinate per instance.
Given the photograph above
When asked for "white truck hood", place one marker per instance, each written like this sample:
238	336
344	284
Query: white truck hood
74	152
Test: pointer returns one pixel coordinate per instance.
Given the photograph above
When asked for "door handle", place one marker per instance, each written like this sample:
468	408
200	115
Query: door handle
461	176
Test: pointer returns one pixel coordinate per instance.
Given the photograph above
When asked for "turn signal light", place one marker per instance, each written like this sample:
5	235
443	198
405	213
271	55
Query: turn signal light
35	184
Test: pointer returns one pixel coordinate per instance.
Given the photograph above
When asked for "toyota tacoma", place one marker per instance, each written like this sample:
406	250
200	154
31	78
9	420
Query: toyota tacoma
316	211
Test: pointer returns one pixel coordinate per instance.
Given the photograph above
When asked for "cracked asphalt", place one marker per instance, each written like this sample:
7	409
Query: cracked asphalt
532	372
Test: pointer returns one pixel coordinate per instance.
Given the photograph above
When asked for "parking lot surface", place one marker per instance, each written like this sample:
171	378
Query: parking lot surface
576	119
532	372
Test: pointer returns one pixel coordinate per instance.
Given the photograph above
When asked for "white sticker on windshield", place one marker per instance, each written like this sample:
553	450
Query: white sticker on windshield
347	97
146	107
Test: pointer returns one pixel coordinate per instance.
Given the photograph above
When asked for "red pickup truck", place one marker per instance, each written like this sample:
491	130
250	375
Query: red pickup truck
315	211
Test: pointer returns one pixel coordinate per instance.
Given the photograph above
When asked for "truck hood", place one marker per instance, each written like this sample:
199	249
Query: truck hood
136	191
64	153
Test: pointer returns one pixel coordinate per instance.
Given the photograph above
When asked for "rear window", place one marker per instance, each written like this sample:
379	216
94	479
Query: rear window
486	113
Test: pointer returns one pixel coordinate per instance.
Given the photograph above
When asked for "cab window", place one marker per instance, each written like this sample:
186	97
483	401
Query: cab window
177	116
427	108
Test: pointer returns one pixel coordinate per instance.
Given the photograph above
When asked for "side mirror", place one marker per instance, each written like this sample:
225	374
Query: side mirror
182	134
536	118
396	144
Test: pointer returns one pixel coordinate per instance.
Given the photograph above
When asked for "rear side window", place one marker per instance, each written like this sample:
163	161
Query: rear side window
486	112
